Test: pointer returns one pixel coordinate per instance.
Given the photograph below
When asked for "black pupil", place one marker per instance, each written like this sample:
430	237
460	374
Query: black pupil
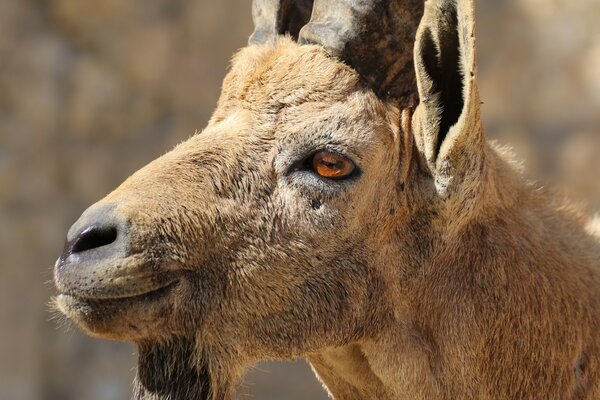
333	165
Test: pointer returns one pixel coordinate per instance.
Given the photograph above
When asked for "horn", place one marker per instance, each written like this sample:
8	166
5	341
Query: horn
375	37
278	17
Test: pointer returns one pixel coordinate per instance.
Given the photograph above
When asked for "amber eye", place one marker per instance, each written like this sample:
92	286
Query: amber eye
332	165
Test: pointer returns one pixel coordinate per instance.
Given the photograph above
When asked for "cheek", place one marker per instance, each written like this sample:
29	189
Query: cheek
317	297
315	221
376	200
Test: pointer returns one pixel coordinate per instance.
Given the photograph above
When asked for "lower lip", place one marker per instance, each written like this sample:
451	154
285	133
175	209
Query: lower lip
144	296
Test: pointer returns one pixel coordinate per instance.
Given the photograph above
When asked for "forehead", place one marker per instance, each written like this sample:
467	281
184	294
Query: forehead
286	74
298	85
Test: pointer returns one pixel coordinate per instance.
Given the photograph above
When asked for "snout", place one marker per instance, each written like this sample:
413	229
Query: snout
98	262
97	235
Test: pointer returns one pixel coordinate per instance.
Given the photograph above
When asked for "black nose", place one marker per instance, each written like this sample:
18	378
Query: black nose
98	233
91	238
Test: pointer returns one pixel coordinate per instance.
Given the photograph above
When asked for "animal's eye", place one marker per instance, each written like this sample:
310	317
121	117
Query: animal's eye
332	165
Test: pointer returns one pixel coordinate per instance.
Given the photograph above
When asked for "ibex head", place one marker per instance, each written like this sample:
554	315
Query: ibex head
295	222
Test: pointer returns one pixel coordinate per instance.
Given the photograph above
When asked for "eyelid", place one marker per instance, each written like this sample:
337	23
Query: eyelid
332	149
304	166
292	159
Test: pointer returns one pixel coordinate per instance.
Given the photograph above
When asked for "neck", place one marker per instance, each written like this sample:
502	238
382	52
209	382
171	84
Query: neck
171	371
347	374
396	367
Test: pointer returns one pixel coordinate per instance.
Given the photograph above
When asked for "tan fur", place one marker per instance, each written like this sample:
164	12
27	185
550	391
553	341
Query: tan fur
435	274
593	226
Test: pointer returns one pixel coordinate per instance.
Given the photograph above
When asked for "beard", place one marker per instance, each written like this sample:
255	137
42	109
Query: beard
173	370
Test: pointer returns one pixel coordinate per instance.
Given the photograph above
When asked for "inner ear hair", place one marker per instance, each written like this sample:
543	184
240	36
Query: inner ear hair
408	148
440	55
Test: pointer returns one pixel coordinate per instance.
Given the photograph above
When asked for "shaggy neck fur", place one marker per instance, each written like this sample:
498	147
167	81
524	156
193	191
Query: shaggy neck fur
171	371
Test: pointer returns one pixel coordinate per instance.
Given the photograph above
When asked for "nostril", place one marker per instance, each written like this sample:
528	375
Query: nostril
94	237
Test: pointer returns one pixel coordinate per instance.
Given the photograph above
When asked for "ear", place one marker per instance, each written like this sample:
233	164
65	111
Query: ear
447	123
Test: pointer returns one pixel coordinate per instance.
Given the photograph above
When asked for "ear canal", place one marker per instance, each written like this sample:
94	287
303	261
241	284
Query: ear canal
278	17
447	119
442	65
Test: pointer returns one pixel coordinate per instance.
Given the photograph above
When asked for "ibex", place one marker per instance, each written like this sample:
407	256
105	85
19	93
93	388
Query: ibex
325	213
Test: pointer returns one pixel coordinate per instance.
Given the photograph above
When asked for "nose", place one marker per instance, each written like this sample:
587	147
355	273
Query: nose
98	228
92	237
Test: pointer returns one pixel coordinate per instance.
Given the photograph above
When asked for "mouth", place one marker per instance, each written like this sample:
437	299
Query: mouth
122	317
113	278
147	295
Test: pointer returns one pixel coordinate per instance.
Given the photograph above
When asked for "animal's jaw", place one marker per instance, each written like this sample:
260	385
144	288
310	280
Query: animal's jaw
133	317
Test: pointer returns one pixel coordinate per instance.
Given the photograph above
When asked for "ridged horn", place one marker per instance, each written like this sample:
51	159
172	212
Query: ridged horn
278	17
375	37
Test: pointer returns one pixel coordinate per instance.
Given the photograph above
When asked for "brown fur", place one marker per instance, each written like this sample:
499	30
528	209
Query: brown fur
438	272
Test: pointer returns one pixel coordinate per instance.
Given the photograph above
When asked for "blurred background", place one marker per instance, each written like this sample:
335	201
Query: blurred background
91	90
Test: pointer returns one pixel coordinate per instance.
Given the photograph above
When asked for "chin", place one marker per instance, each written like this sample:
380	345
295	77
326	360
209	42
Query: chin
133	318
